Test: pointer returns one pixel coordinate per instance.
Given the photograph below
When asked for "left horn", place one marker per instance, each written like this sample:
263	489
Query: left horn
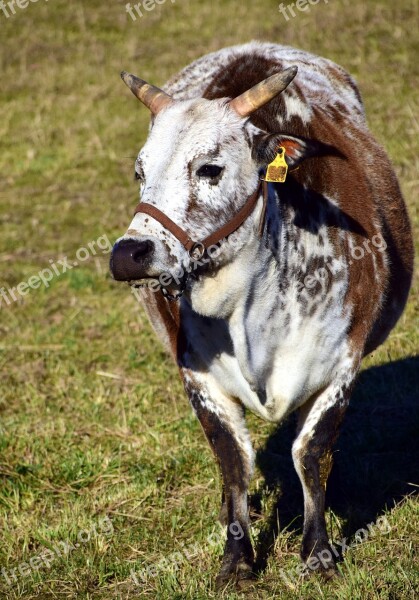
262	92
153	97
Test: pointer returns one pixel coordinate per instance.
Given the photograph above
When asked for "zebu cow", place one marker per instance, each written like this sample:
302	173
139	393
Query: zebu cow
278	316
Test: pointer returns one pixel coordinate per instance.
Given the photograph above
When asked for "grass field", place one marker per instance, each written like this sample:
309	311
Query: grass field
99	450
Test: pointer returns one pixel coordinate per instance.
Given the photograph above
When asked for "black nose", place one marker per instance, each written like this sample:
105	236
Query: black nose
130	259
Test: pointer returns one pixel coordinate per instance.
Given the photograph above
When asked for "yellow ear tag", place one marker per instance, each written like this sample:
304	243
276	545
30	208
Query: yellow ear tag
277	170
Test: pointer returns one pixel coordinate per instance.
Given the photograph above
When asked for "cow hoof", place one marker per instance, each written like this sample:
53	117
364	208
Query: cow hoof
241	576
326	572
330	572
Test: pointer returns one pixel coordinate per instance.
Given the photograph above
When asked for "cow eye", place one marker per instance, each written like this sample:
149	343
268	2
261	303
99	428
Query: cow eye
209	171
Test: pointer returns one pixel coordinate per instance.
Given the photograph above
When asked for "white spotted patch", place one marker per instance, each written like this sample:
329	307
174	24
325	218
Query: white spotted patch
319	88
284	342
274	356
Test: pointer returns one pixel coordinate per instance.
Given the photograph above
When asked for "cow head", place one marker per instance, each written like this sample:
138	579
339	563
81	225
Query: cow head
200	163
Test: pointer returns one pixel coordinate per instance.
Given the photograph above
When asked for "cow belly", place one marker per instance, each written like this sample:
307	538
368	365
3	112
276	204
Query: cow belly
270	374
296	375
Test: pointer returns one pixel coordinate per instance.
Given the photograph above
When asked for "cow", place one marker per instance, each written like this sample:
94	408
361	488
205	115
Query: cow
276	252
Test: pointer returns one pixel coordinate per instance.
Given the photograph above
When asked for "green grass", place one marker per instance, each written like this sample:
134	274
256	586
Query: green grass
94	421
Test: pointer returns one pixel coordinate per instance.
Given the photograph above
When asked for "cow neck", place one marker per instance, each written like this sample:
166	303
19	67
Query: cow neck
197	248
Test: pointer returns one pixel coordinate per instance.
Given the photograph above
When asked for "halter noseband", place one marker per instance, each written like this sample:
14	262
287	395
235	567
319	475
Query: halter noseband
197	248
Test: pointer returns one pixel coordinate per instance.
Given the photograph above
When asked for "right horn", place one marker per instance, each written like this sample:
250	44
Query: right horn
262	92
153	97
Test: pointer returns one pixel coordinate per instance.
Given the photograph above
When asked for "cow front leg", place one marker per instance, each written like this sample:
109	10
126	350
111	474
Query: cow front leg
318	427
224	426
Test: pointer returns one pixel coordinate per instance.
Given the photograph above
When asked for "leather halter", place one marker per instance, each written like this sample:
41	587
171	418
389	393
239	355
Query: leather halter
197	248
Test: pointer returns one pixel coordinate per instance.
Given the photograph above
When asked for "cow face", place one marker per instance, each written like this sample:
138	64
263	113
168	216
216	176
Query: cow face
198	166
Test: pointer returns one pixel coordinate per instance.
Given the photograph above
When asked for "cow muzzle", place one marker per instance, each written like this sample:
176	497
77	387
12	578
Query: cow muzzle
131	259
136	260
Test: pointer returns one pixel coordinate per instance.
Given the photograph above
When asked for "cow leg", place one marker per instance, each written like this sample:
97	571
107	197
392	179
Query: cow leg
224	426
318	426
223	516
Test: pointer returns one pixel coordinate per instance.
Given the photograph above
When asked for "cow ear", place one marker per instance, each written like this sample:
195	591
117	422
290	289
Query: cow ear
265	148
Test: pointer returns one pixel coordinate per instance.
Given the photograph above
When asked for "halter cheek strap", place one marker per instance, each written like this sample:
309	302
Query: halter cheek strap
197	248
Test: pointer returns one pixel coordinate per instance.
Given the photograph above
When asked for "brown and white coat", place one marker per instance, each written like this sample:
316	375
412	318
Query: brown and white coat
277	322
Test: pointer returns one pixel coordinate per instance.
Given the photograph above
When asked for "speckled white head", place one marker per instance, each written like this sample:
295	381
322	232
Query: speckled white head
198	166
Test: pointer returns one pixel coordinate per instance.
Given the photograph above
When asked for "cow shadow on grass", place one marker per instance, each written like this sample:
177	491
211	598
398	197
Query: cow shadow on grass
376	457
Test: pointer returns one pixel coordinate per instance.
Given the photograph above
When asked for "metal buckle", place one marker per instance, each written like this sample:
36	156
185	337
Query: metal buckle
197	251
172	297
